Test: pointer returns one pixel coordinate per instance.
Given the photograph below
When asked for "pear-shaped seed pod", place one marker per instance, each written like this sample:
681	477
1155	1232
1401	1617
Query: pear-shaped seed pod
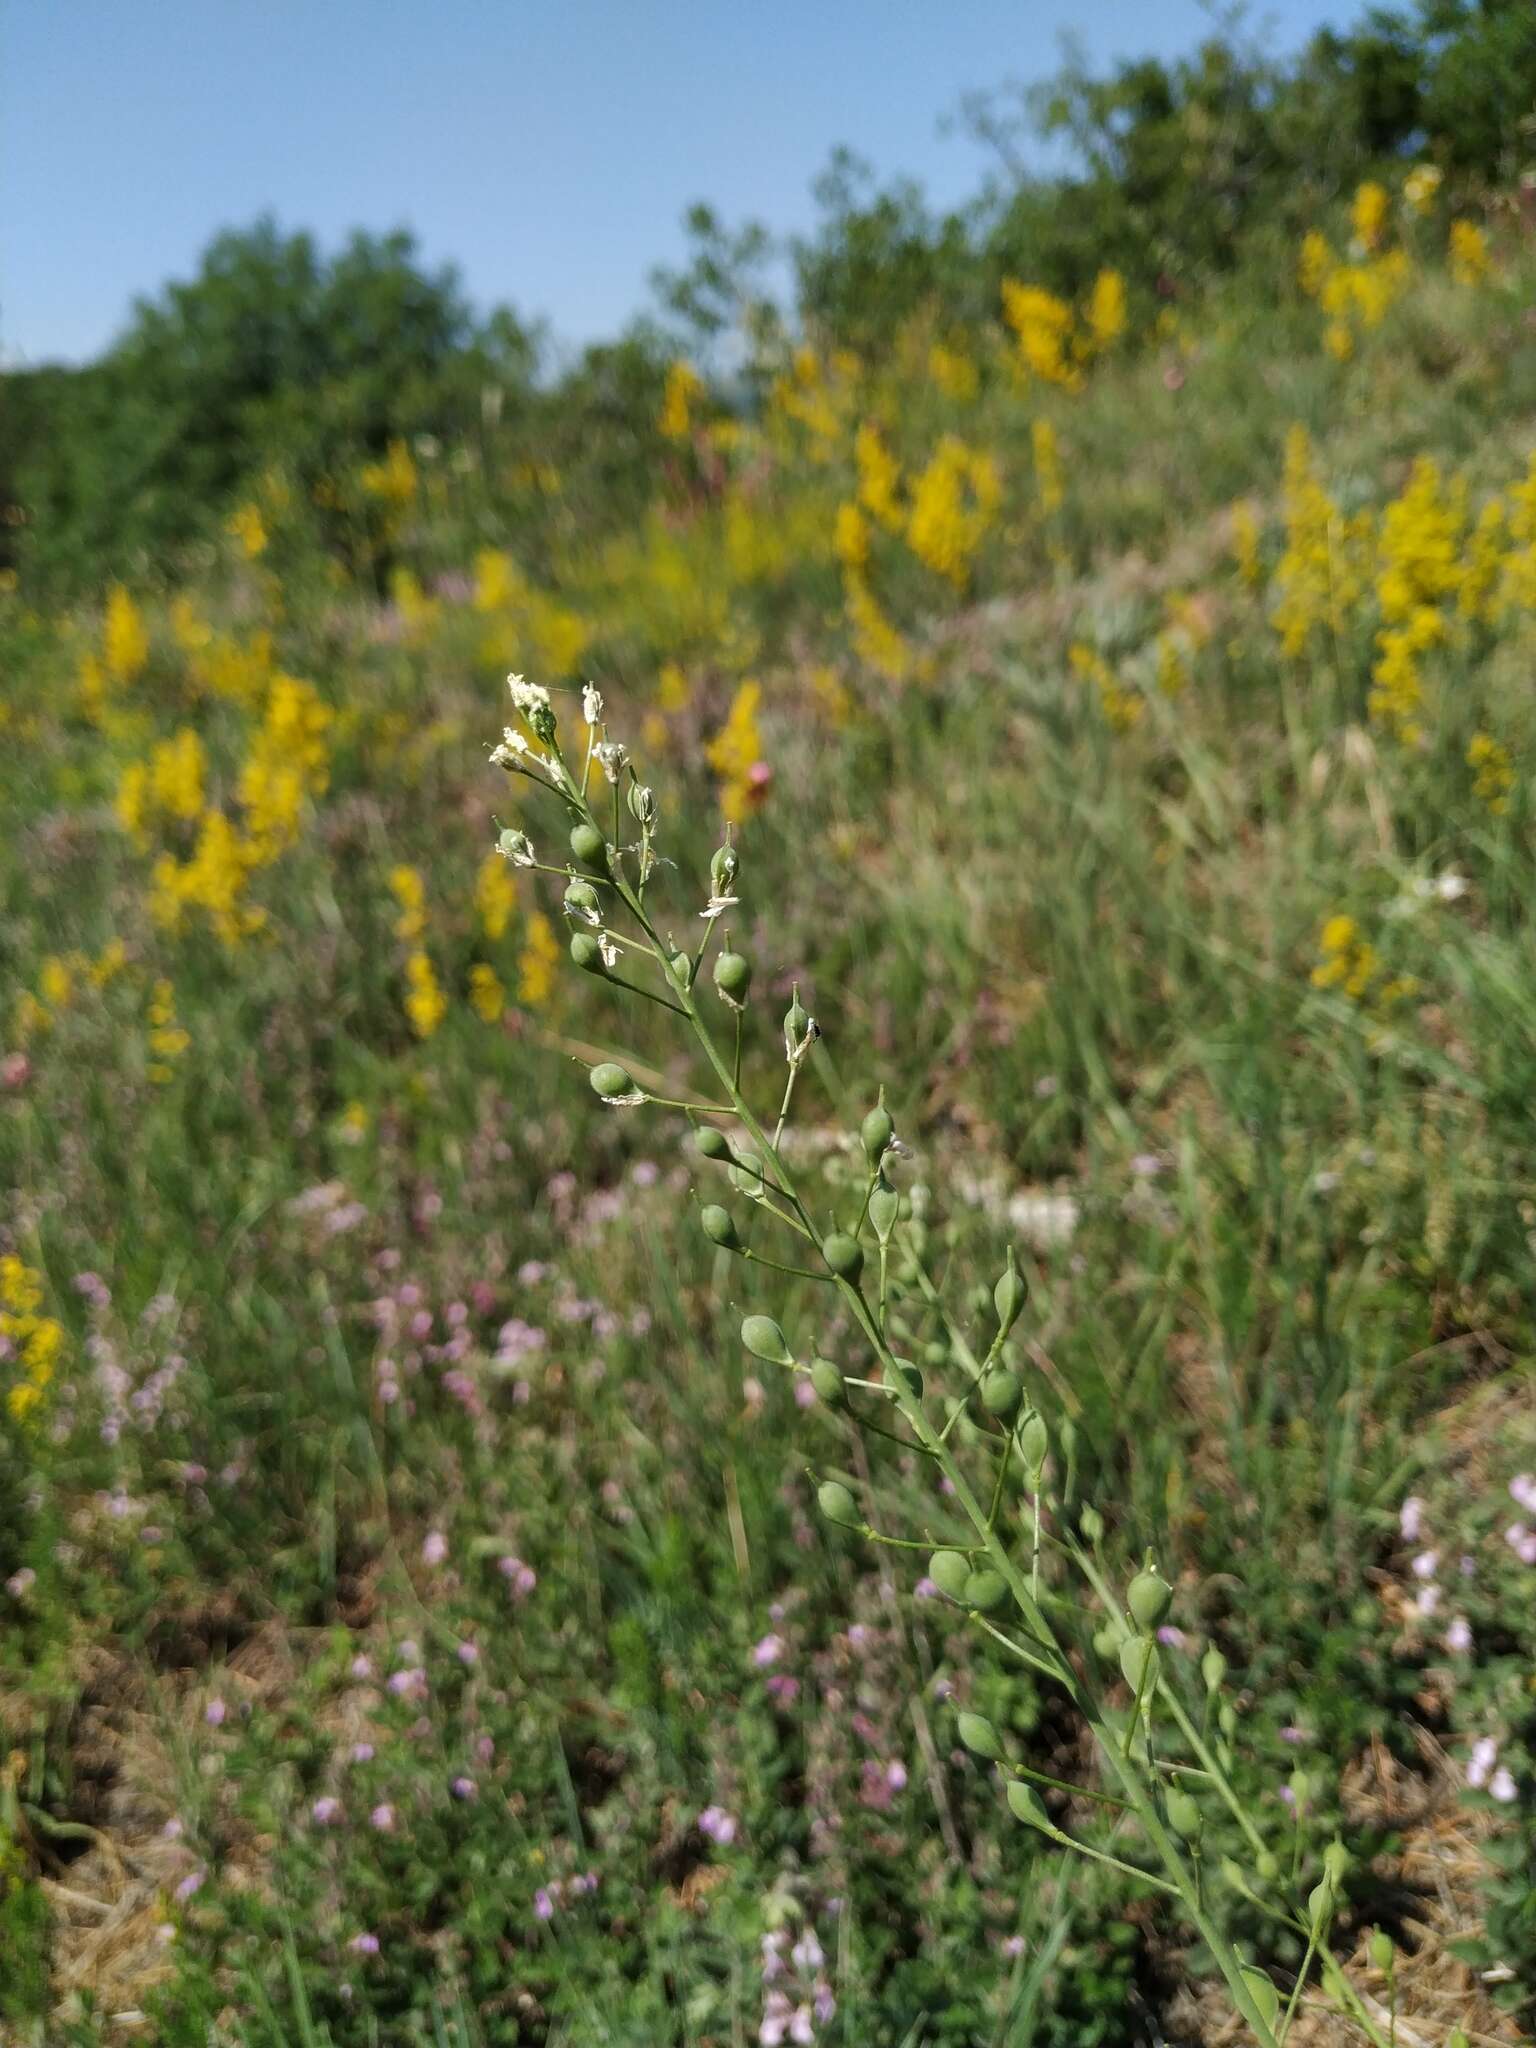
830	1387
949	1570
1149	1598
1009	1296
589	845
611	1081
838	1505
979	1736
985	1590
1034	1446
719	1226
764	1339
588	954
876	1133
884	1208
733	977
712	1143
1138	1662
1183	1815
1001	1392
1025	1804
844	1254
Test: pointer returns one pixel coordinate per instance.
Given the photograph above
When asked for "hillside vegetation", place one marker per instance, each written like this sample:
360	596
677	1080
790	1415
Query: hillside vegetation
417	1624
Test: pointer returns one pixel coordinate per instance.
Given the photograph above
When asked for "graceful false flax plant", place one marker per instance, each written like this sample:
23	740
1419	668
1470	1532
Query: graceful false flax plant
1043	1592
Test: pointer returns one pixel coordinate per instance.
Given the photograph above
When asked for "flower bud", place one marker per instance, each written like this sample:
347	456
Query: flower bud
733	978
1008	1297
838	1505
884	1208
765	1340
713	1143
1025	1804
719	1226
1106	1640
1267	1866
1336	1861
1034	1448
682	970
581	902
1263	1993
1091	1522
1382	1952
587	953
979	1736
1138	1663
831	1388
985	1590
1001	1392
516	847
723	869
1149	1599
1226	1719
1320	1904
876	1133
589	845
845	1256
611	1081
949	1570
1213	1669
1183	1814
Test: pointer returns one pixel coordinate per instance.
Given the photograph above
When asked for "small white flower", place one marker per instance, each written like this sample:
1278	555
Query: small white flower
528	697
717	907
613	757
591	704
1501	1786
516	847
608	948
513	747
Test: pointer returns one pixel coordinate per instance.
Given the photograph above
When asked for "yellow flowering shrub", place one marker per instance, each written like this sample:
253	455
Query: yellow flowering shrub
1368	213
1048	473
495	896
410	892
33	1342
168	1037
425	1004
954	502
1043	328
125	638
1493	771
1470	262
487	997
736	755
1122	708
683	390
393	480
879	479
1349	963
538	961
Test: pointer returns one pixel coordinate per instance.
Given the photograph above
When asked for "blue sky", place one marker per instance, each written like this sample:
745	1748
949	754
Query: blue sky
548	149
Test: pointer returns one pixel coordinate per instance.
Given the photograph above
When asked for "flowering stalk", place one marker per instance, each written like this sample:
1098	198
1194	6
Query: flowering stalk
982	1572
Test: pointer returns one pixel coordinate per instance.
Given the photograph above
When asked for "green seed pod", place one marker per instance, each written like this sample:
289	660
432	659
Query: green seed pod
884	1208
747	1171
723	869
979	1736
1267	1868
910	1377
1232	1871
642	806
1025	1804
1336	1861
1138	1663
838	1505
845	1256
985	1590
589	845
581	903
1106	1641
720	1227
765	1340
1149	1599
949	1570
830	1386
587	953
936	1355
1009	1296
876	1133
1034	1448
611	1081
1226	1719
797	1021
1213	1669
1382	1953
1320	1904
682	970
733	978
1183	1815
1091	1522
714	1144
1001	1392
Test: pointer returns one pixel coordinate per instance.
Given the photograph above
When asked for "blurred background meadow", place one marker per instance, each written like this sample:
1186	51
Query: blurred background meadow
1101	599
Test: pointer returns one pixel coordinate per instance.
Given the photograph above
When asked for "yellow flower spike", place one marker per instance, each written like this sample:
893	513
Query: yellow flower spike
538	961
495	896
